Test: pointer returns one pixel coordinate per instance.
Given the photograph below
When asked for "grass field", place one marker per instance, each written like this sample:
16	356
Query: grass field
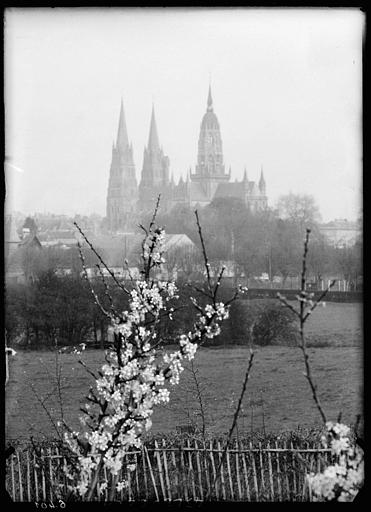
277	398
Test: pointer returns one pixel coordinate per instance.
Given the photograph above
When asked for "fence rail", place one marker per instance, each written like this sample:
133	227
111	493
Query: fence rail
192	471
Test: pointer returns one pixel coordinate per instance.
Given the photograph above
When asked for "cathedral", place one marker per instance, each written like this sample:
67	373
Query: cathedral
126	199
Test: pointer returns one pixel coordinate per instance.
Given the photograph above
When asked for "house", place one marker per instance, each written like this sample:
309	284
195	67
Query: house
341	232
19	254
115	249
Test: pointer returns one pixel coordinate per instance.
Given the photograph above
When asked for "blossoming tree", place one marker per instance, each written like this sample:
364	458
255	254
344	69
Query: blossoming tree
136	374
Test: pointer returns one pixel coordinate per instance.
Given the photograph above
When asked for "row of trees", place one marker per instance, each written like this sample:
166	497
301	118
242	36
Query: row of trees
60	310
53	310
269	241
264	242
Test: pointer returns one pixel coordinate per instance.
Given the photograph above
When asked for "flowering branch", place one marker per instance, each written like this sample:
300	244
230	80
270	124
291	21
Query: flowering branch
134	379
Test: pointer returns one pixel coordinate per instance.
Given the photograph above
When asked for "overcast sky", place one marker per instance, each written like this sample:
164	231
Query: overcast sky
286	85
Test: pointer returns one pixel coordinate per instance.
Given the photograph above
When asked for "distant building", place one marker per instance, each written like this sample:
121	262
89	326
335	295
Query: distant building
341	232
11	238
18	252
117	248
126	200
58	237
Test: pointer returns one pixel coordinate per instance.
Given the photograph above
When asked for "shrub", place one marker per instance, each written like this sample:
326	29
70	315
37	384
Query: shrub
261	322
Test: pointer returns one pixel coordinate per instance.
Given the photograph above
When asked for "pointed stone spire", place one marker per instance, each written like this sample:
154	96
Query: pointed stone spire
245	175
122	134
209	101
262	181
153	143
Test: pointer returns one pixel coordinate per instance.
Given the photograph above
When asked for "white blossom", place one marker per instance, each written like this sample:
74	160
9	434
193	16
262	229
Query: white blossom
342	480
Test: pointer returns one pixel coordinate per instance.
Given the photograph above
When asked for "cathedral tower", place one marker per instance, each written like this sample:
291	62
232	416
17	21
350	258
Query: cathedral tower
155	171
122	187
210	169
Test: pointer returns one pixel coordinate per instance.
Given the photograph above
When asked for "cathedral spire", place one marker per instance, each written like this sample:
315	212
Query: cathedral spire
153	143
122	134
245	175
209	101
262	181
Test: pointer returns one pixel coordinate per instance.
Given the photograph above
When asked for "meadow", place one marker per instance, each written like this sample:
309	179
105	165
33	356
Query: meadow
277	397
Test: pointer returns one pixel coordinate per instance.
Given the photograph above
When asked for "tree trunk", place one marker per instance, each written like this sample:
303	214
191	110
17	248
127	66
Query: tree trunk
102	335
95	333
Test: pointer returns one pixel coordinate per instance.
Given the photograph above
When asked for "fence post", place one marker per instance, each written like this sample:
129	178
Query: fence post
293	468
35	477
254	473
209	490
51	476
199	471
216	485
166	470
106	479
288	488
270	472
185	483
42	457
159	465
229	474
221	470
136	474
190	471
20	477
28	476
246	476
278	474
176	476
262	483
238	471
144	472
151	473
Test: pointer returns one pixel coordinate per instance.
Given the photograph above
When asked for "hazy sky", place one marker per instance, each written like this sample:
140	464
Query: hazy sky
286	85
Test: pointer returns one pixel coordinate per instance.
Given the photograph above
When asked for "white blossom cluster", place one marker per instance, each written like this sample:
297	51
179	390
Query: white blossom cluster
134	377
342	480
153	246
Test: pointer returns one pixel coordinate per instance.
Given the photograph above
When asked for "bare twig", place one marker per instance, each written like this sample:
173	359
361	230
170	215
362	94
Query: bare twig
206	261
234	422
100	259
199	397
306	307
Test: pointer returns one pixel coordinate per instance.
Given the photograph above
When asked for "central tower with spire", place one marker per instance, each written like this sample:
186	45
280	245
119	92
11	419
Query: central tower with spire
122	193
210	169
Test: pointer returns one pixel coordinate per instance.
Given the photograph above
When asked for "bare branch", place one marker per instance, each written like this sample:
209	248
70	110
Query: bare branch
206	261
235	419
101	260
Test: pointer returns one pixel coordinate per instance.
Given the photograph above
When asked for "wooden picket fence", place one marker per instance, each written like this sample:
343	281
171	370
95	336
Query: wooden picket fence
191	471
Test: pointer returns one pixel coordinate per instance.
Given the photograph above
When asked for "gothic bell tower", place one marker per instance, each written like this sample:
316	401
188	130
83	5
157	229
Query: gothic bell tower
210	169
155	171
122	187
